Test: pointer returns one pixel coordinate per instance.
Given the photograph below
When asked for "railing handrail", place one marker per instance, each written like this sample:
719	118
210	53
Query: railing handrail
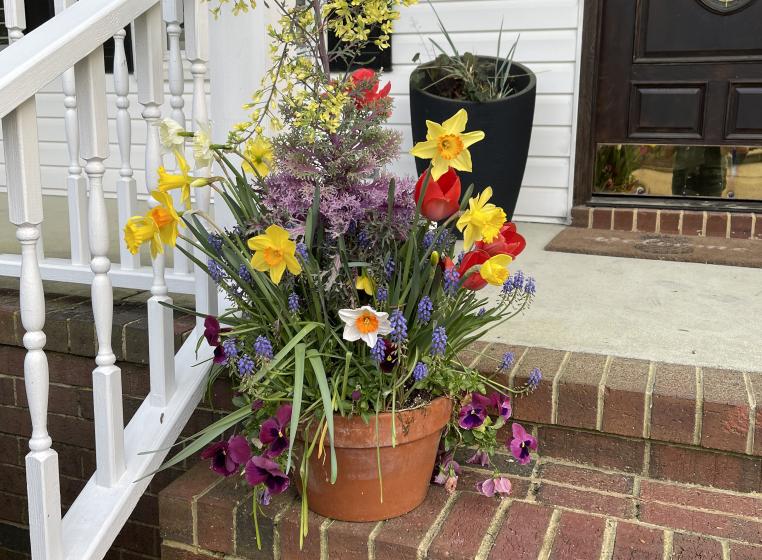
45	53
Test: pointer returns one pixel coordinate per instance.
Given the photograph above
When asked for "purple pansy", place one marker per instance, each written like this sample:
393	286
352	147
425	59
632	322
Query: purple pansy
273	431
521	444
499	485
261	470
503	405
220	357
448	468
473	414
226	457
479	458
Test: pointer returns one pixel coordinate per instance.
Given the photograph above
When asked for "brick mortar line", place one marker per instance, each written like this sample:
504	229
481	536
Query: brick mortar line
423	547
550	535
751	399
644	524
514	371
728	229
667	543
703	223
703	510
194	507
611	221
602	393
482	354
190	548
276	529
698	424
648	402
554	388
492	530
372	540
753	225
324	538
725	550
584	488
680	222
609	538
251	496
590	218
122	336
658	222
634	219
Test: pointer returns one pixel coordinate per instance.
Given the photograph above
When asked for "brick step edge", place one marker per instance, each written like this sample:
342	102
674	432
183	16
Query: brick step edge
727	225
710	408
204	516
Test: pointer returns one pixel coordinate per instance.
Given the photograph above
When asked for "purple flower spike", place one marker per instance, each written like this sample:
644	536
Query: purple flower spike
492	486
521	444
261	470
273	431
480	458
226	457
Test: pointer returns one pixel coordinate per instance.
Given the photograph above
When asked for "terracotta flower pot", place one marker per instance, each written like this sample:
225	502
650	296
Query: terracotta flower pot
406	468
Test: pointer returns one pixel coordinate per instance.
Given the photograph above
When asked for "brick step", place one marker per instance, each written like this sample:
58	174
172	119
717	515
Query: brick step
687	423
558	510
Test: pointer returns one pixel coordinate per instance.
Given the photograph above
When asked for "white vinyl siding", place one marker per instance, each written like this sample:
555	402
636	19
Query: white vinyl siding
549	38
548	45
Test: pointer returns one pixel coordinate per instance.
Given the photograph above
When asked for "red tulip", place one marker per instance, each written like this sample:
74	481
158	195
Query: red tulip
442	197
366	80
508	242
473	258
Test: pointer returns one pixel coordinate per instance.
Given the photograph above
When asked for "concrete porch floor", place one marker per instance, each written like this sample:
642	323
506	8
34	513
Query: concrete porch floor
688	313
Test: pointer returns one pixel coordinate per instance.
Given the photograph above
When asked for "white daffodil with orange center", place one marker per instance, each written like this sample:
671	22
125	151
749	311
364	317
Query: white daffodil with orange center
274	252
365	324
482	221
446	144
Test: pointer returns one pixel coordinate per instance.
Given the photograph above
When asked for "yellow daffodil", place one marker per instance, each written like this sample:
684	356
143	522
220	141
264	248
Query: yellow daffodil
139	230
166	218
169	181
158	226
446	144
259	156
482	221
366	284
273	253
495	270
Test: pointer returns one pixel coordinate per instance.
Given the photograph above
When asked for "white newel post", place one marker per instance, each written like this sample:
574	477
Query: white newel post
76	184
22	166
90	79
172	11
197	51
149	70
126	190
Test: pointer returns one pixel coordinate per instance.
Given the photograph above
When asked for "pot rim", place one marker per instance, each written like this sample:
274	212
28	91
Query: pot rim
351	432
532	85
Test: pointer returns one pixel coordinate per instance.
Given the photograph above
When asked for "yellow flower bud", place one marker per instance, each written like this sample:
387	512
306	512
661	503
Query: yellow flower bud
434	258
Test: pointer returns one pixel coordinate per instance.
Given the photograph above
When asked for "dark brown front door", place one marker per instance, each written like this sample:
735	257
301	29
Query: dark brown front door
685	75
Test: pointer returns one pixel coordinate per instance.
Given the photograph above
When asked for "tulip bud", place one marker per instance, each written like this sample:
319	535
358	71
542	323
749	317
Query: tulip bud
434	258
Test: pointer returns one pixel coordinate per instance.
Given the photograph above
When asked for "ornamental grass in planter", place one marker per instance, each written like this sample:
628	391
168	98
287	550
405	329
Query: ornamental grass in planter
499	95
350	303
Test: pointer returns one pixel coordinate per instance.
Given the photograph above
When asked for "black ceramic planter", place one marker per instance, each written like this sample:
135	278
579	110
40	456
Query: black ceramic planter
500	159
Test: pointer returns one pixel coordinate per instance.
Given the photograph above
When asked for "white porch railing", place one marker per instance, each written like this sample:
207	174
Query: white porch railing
71	46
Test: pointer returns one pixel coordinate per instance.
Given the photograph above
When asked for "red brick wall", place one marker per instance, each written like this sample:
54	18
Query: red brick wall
70	418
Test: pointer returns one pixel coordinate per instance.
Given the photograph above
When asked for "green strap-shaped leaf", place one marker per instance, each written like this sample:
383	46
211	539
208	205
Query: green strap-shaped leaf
325	393
308	328
296	406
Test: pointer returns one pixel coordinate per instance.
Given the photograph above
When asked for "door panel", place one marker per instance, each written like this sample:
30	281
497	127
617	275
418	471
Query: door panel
670	110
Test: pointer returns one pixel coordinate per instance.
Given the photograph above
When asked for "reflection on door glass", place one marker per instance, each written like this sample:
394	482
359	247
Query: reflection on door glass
681	171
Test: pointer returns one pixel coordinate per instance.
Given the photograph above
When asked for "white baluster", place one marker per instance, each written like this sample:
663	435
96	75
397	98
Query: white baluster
173	17
22	166
148	43
126	190
15	19
90	79
76	184
197	51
